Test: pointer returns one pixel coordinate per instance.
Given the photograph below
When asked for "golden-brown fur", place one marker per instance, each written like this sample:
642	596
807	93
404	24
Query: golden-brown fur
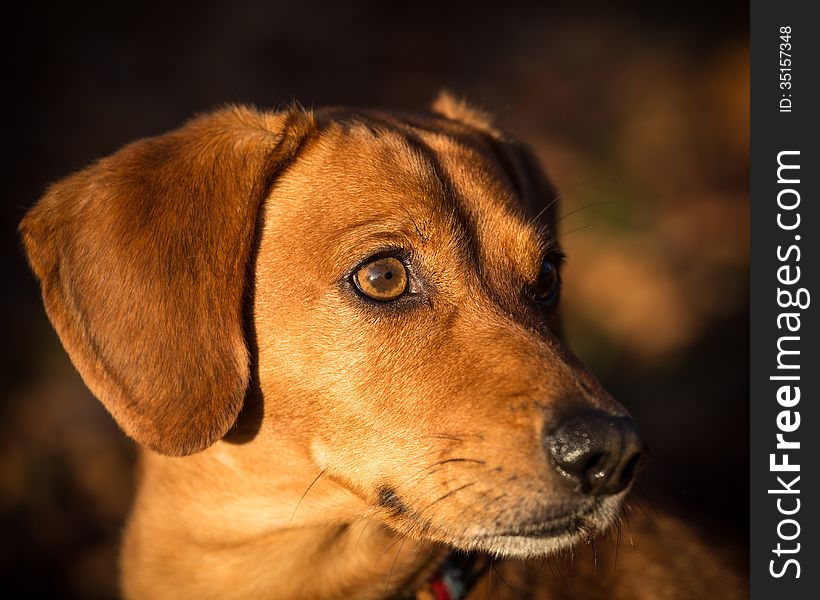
206	271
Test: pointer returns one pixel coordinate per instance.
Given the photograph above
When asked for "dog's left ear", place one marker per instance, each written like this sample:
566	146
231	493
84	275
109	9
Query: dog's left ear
457	109
143	259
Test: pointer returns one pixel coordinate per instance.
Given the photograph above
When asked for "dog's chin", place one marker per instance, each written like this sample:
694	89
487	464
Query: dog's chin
547	536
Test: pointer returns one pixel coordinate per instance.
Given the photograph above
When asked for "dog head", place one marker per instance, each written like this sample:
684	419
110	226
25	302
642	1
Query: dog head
388	288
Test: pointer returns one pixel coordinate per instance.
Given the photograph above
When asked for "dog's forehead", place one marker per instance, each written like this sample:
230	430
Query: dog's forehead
424	184
483	187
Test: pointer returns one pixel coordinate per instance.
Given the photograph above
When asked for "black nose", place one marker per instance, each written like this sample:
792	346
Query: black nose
599	453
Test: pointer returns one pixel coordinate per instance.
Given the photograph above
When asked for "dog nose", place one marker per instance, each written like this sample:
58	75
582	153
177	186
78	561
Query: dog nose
598	453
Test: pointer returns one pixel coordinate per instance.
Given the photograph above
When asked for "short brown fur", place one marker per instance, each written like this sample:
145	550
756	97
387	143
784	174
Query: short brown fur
303	442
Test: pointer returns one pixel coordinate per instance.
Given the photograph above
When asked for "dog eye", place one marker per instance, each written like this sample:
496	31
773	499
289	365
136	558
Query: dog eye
548	285
383	279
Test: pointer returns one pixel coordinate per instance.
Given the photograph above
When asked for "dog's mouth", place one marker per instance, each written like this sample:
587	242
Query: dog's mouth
549	534
546	532
571	522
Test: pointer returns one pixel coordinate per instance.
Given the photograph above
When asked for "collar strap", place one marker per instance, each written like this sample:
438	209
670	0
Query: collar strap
456	577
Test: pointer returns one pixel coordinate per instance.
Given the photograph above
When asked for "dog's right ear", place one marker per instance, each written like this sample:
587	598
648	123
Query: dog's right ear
143	260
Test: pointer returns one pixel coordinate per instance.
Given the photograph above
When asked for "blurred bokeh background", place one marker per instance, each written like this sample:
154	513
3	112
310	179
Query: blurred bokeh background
638	110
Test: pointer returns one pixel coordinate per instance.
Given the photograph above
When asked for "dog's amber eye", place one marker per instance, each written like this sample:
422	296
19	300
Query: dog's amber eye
548	285
384	279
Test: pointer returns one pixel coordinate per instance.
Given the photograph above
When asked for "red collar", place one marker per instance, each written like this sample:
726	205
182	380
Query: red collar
456	577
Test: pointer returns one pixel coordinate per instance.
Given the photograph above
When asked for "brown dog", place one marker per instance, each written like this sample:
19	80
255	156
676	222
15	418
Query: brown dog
337	335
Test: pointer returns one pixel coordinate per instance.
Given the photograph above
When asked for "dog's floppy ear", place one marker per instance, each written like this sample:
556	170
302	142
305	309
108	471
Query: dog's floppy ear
142	260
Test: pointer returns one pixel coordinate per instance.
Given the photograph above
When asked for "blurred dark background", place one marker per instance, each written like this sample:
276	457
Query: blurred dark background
641	105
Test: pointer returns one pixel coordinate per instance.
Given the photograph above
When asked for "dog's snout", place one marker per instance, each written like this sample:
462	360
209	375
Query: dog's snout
600	454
